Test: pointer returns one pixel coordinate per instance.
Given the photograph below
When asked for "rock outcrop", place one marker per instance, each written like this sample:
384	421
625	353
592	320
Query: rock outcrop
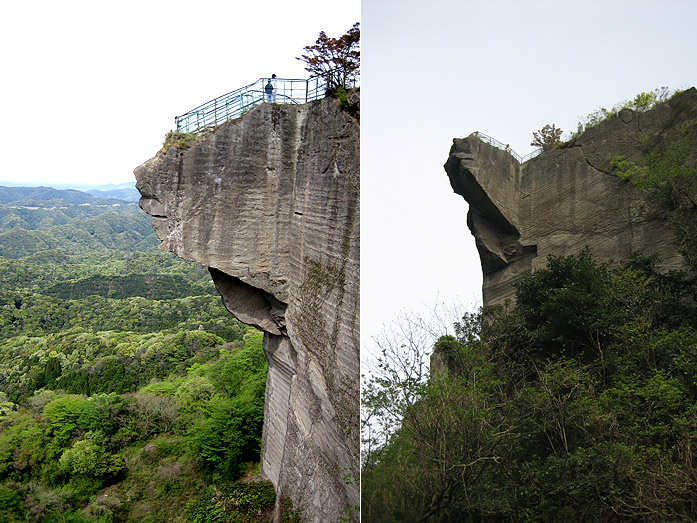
270	203
566	198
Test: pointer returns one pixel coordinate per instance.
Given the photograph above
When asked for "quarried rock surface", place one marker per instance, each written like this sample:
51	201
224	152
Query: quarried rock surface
566	198
270	203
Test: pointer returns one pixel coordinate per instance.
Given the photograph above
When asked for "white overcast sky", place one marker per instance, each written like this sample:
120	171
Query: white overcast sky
89	88
436	70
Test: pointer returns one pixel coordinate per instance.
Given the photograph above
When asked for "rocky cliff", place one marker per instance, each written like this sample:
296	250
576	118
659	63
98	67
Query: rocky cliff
566	198
270	203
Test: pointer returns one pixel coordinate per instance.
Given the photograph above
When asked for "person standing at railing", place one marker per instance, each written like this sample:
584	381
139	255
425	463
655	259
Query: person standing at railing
270	90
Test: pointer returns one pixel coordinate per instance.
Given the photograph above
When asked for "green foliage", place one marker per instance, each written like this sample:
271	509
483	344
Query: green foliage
641	102
62	415
178	140
548	137
151	286
252	497
288	513
239	502
350	514
81	458
231	434
111	355
564	305
342	96
645	101
577	403
10	503
669	178
94	234
626	170
81	441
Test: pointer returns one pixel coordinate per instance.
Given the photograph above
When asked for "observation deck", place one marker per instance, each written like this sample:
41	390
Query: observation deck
237	102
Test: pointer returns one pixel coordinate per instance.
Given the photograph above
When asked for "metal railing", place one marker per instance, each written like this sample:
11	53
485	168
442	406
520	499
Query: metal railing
505	147
235	103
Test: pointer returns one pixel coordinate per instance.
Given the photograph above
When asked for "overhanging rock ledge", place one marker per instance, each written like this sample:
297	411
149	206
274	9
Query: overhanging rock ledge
270	203
566	198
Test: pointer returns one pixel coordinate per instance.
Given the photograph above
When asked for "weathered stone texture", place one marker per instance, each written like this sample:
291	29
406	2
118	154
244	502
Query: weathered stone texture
565	198
270	203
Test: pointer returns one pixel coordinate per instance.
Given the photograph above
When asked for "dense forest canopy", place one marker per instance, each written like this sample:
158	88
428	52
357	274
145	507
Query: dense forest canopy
577	403
127	391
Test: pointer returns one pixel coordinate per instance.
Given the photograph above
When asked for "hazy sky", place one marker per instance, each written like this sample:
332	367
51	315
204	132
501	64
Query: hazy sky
90	88
436	70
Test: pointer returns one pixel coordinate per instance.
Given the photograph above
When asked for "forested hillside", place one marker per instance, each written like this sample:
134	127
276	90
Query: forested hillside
127	391
577	400
575	404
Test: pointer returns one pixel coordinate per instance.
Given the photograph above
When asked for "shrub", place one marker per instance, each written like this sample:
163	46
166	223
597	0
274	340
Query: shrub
547	137
641	102
239	502
178	140
597	427
10	503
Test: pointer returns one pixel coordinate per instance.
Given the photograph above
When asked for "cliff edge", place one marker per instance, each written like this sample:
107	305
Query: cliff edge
566	198
270	203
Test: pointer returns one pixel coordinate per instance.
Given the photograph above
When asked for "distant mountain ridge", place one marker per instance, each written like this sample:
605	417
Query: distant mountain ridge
77	186
129	194
24	195
33	219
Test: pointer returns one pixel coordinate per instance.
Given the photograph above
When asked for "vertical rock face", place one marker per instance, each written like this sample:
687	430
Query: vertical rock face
566	198
270	203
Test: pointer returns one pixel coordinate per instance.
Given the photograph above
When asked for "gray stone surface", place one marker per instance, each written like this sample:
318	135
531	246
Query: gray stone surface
270	203
566	198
